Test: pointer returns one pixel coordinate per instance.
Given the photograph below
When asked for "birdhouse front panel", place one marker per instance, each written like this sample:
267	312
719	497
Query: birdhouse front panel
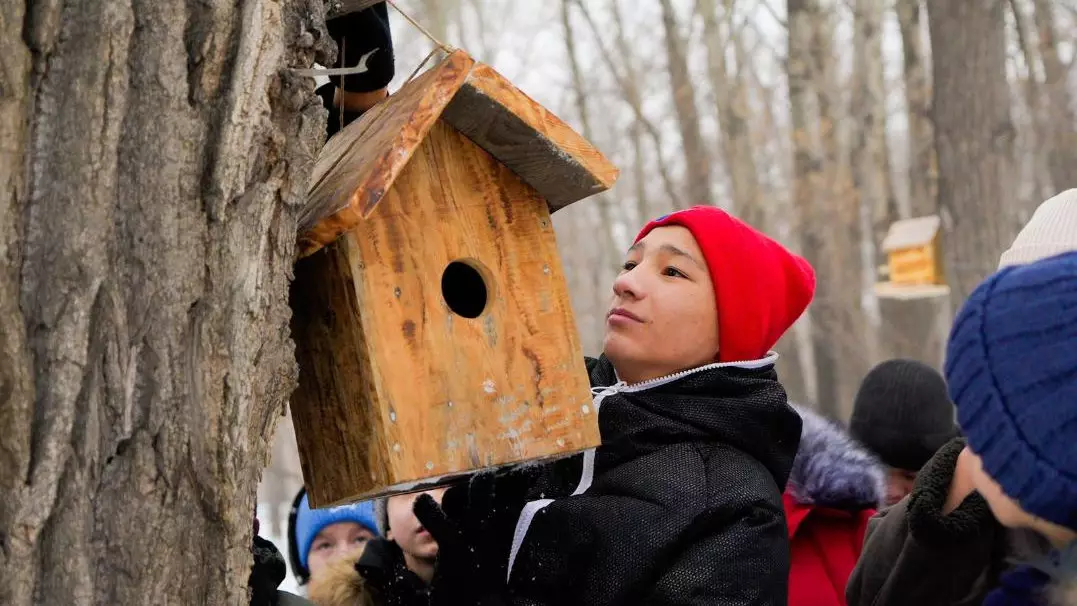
913	266
447	337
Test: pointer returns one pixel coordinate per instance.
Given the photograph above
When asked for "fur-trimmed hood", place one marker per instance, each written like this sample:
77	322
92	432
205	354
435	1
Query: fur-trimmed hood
340	585
833	470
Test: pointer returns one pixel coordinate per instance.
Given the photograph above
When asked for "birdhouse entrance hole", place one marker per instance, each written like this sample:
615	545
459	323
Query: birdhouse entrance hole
464	288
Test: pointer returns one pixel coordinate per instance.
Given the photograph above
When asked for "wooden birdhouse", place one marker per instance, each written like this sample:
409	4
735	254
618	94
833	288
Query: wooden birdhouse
432	320
914	257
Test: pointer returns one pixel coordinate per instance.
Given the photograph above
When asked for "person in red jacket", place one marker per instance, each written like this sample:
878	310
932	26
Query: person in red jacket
833	490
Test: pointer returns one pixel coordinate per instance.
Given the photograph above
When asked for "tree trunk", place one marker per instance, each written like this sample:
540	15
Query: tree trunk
916	327
630	90
809	199
922	175
734	113
608	253
696	158
1062	157
640	169
870	155
974	136
154	156
1037	141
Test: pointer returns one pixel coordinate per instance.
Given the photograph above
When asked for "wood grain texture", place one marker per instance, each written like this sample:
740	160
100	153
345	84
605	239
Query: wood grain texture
524	136
400	390
333	409
358	165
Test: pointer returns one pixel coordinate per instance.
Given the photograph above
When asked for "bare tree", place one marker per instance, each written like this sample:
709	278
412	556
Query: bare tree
826	205
633	96
1062	119
870	154
1036	138
808	180
734	114
639	165
153	156
696	158
974	136
608	252
921	162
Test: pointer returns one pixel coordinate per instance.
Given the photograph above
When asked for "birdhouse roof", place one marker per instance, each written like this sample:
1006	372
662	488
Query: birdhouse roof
910	233
357	167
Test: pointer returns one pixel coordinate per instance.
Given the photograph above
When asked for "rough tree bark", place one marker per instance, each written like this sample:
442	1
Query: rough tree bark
734	114
153	155
974	136
922	175
696	158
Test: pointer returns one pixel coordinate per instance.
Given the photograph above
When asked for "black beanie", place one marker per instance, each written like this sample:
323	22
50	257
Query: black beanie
903	413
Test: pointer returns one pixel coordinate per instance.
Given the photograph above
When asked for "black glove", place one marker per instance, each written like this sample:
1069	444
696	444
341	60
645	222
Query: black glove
473	528
364	36
266	574
387	576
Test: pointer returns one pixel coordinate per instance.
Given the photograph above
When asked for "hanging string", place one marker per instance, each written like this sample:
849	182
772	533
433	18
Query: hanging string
340	91
441	45
438	44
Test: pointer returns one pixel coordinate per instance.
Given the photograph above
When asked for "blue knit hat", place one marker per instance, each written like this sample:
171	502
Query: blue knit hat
1011	364
309	522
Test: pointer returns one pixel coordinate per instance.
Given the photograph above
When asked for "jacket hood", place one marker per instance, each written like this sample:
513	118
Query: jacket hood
742	406
833	470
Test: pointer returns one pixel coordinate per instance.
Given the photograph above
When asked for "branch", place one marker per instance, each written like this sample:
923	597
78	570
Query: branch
773	13
632	97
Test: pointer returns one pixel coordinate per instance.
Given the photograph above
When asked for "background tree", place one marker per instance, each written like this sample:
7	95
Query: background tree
974	137
696	155
916	75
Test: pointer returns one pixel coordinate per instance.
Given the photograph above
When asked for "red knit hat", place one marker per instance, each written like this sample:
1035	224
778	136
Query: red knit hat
761	288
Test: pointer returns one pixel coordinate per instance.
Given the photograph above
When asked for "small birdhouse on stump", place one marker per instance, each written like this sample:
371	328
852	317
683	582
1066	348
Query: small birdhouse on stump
914	259
431	316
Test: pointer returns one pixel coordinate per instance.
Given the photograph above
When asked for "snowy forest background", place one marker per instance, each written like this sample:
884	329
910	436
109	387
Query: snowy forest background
813	119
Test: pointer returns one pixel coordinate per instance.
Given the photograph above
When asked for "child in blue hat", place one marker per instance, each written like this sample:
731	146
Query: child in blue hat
317	537
1011	366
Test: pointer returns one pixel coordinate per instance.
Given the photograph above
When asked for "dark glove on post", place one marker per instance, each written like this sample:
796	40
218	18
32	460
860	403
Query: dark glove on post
387	577
473	528
364	38
267	572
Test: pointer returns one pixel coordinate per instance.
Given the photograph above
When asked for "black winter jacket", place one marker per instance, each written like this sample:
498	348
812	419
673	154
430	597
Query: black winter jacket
684	506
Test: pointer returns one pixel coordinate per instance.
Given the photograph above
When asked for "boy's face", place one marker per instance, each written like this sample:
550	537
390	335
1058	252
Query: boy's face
405	529
663	317
1008	512
336	541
